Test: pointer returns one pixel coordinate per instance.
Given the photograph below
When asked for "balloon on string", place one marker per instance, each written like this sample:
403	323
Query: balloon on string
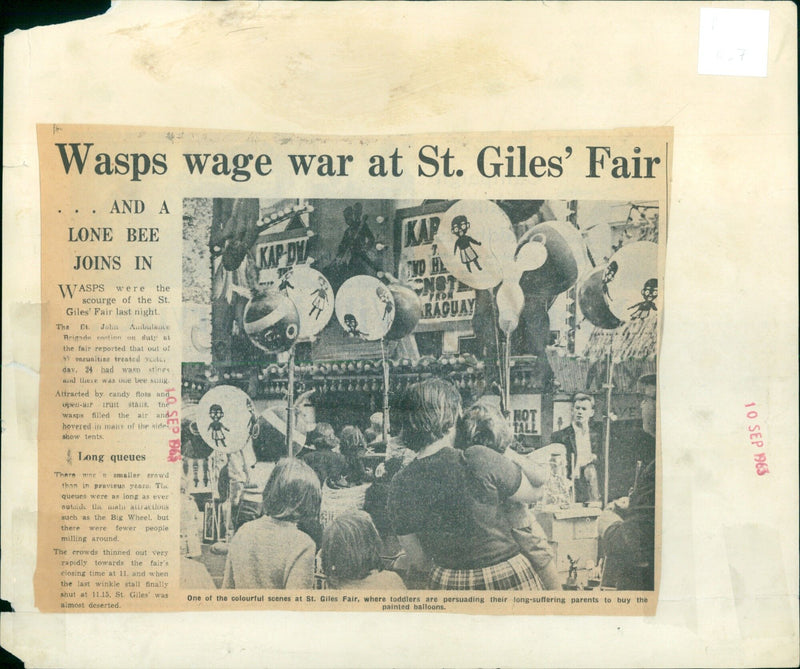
566	260
510	300
407	311
630	280
591	300
476	242
271	322
312	294
225	418
365	307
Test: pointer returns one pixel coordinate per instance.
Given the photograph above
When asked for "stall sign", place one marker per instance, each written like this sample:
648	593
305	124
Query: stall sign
445	300
526	412
276	254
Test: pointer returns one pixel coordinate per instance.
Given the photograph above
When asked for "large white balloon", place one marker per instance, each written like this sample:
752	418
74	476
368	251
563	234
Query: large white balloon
476	242
225	418
598	241
365	307
630	281
312	294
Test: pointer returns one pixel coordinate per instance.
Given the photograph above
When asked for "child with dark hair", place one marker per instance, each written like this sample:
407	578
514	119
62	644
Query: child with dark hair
324	459
354	447
351	555
270	552
269	446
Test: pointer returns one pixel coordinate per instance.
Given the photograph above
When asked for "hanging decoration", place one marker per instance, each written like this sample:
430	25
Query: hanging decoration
407	311
630	284
476	242
312	294
365	307
510	300
592	302
566	259
225	418
531	251
271	322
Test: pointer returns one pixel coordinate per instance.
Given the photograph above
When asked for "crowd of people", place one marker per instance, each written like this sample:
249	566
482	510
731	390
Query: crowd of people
445	505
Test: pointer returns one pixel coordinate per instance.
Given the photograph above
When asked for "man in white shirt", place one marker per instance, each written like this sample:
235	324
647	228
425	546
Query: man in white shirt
583	440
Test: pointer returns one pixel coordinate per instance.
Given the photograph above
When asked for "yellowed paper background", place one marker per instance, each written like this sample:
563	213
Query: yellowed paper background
112	297
729	544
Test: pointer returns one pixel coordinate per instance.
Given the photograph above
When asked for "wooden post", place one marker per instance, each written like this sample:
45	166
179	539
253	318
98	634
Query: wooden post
607	444
290	405
385	364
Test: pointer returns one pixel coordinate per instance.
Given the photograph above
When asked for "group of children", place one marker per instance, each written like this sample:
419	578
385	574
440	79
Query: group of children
273	552
283	544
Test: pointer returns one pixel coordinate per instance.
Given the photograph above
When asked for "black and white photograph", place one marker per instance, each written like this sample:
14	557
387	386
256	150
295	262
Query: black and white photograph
421	395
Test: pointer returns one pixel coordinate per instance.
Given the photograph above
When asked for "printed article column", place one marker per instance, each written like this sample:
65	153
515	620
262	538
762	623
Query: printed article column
109	449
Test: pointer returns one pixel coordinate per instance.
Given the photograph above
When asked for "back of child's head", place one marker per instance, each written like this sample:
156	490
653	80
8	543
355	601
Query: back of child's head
483	424
352	440
323	438
350	548
427	412
292	491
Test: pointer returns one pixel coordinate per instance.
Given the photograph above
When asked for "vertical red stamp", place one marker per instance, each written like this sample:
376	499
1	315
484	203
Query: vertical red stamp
757	440
174	425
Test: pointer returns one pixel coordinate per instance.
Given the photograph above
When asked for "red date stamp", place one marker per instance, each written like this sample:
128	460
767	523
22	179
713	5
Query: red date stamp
757	440
174	424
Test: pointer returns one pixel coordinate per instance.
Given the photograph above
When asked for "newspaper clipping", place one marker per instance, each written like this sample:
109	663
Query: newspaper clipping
351	373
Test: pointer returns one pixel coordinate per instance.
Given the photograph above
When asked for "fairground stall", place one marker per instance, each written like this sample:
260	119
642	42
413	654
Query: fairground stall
324	311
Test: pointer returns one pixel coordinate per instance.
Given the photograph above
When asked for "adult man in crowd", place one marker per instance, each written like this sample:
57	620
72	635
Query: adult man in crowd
632	445
583	440
627	536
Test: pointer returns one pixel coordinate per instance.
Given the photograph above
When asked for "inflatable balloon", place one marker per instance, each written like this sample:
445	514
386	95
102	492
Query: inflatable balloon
365	307
566	260
271	322
591	300
407	311
510	300
630	283
475	241
598	241
312	294
226	418
532	254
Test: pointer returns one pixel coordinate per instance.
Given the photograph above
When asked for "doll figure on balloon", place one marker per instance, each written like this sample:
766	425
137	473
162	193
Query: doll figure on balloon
320	298
641	310
464	243
216	427
609	274
285	283
352	326
386	298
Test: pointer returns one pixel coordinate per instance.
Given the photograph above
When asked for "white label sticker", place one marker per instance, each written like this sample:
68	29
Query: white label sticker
733	42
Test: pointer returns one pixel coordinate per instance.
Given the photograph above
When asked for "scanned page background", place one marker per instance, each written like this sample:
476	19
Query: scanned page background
729	552
107	449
